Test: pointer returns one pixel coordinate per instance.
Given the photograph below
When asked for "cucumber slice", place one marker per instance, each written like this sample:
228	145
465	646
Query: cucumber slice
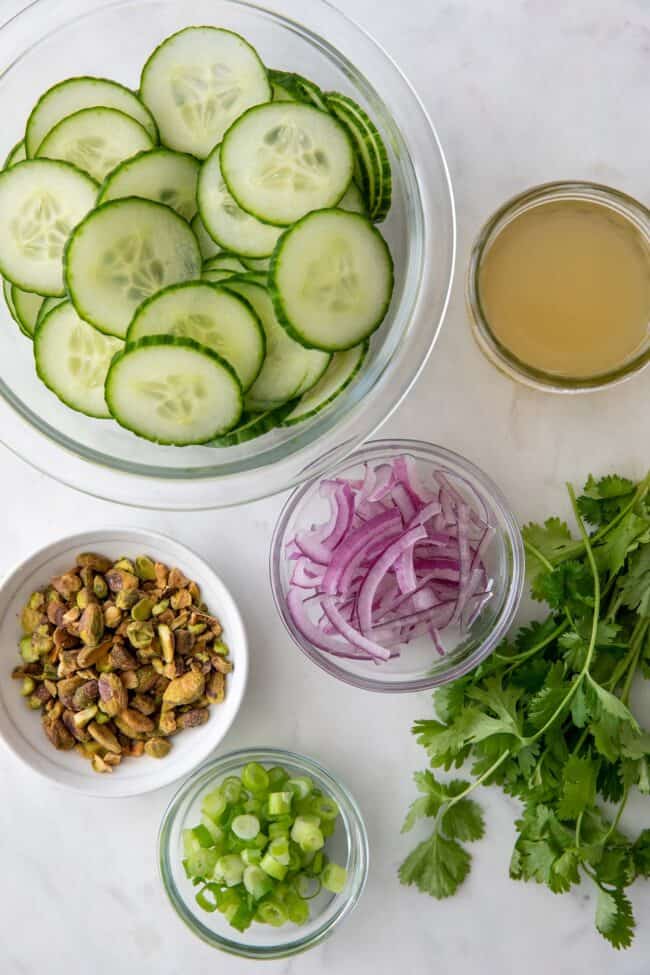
27	306
372	157
16	155
279	92
46	308
197	82
9	301
339	374
217	275
284	159
72	359
253	425
123	252
289	369
225	221
95	140
259	264
297	88
353	200
225	262
218	319
173	391
70	96
40	201
331	280
209	248
159	175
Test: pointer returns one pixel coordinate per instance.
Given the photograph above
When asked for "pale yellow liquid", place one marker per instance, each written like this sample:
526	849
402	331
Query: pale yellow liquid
565	287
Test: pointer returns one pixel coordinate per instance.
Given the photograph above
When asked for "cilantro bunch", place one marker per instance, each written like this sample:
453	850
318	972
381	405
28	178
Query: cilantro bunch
547	718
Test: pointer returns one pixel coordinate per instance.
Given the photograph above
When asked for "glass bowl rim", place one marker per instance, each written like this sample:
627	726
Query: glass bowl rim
374	449
500	356
356	829
205	486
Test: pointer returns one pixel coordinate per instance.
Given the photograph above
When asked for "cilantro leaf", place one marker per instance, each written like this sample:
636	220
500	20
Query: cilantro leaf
635	588
578	786
437	866
549	540
435	795
623	539
449	700
641	854
614	918
602	500
569	586
534	633
463	820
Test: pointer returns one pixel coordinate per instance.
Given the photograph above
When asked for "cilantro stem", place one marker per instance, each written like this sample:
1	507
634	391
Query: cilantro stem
578	829
594	625
481	779
627	686
630	661
538	555
519	658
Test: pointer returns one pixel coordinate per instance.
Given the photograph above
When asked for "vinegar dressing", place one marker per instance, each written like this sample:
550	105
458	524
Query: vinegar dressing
565	287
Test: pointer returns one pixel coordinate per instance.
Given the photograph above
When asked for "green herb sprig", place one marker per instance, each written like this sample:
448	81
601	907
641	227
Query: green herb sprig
547	717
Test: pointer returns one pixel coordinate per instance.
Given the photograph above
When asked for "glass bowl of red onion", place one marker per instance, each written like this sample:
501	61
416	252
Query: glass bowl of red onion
401	571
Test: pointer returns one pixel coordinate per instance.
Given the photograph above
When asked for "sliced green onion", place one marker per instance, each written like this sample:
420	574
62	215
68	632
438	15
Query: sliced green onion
245	827
257	882
328	827
255	778
201	863
254	806
277	777
274	869
218	835
279	850
325	807
231	788
271	912
301	786
190	843
280	803
251	856
231	868
307	834
334	878
278	829
214	804
203	836
316	866
307	887
297	909
208	903
295	860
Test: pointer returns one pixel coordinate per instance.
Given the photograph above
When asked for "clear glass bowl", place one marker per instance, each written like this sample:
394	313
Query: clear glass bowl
50	41
419	666
623	205
348	847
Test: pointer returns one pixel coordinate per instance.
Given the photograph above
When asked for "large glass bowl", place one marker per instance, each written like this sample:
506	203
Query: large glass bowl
51	40
348	846
419	666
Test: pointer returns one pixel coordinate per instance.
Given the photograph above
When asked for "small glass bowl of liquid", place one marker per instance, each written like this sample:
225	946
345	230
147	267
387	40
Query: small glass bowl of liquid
559	287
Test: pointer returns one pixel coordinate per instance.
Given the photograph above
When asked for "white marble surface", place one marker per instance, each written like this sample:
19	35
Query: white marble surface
522	91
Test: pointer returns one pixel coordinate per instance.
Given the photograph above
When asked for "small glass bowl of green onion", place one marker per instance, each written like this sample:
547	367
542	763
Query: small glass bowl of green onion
263	853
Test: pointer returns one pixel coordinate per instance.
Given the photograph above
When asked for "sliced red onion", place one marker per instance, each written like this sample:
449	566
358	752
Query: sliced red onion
353	544
350	634
378	571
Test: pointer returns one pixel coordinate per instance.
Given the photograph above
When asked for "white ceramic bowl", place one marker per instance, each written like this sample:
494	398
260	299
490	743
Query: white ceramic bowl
20	728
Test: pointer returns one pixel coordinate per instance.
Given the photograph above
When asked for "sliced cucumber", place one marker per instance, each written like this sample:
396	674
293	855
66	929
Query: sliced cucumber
259	264
173	391
9	301
209	247
197	82
217	275
225	221
353	200
47	306
40	201
123	252
95	140
16	155
27	306
70	96
253	425
157	174
225	262
284	159
72	359
339	374
297	88
219	319
372	157
289	369
331	280
279	92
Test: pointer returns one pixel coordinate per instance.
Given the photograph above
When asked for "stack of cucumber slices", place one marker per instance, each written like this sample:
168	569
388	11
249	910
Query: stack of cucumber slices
198	260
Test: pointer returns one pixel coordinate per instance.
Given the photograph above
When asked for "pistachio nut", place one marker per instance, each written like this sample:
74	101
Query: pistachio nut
106	738
85	596
85	695
78	733
136	748
99	765
167	723
91	625
121	657
142	609
127	598
139	634
215	688
56	611
82	718
31	619
162	573
160	607
100	589
184	690
37	600
112	616
28	651
221	664
112	694
67	584
158	665
157	747
68	662
130	679
58	734
92	655
136	721
195	592
147	678
34	703
120	579
173	670
70	616
145	568
127	730
124	564
143	704
90	560
196	629
180	621
181	599
67	688
193	718
63	639
27	686
167	643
